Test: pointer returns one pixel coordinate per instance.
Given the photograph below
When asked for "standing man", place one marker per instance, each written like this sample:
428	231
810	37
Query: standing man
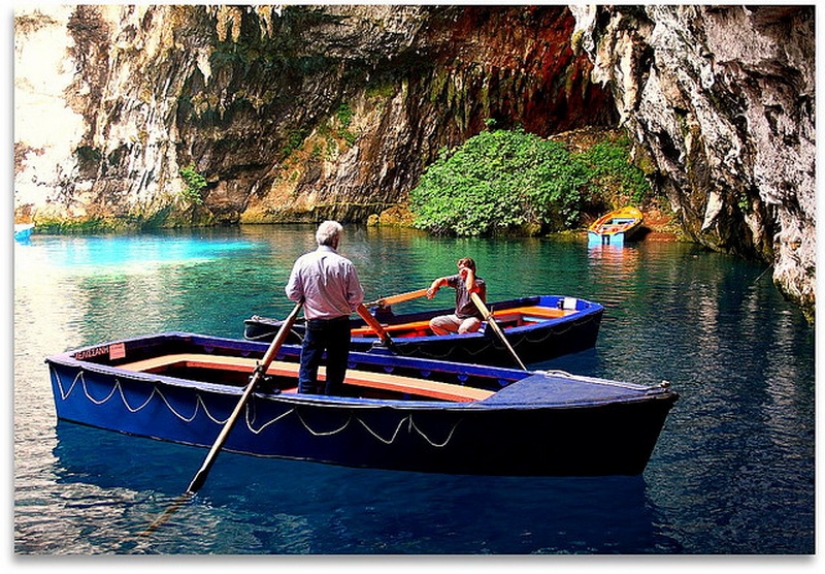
330	289
467	317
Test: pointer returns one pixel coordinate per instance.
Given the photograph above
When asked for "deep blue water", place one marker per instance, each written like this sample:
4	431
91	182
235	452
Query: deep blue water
733	472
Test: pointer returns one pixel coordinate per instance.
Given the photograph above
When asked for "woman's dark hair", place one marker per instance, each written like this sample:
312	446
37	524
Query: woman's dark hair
467	262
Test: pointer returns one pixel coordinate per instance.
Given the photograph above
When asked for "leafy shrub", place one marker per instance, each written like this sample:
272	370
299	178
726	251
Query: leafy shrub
344	115
195	182
499	181
611	171
502	181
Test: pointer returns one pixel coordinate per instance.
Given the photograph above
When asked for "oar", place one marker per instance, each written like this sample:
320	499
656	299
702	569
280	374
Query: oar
492	322
257	375
377	327
400	298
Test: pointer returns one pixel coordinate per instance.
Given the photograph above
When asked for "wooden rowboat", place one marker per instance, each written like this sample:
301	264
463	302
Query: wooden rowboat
615	227
399	413
538	328
23	231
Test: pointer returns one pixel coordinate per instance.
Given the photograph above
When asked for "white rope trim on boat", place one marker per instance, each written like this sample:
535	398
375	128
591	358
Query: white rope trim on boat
119	388
425	437
394	434
249	419
604	382
319	433
198	404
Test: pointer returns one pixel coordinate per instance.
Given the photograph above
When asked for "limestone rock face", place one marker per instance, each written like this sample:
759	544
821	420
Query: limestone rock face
299	113
724	100
291	114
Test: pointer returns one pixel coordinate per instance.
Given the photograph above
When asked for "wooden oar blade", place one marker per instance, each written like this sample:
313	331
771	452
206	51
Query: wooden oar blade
200	477
160	520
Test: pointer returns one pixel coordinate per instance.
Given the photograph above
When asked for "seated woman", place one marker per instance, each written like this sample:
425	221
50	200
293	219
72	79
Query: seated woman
467	317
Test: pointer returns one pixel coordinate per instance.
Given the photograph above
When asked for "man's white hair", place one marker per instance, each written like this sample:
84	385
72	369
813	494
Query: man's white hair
329	232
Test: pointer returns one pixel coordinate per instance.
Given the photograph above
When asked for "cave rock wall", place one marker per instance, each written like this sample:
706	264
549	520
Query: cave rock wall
292	113
723	98
299	113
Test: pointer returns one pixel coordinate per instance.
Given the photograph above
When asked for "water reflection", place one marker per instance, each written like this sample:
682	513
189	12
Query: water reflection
276	506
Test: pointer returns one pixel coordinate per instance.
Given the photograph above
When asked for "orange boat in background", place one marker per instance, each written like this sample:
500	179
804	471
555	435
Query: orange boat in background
615	227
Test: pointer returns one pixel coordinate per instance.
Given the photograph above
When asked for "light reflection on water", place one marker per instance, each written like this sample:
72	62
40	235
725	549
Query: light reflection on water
732	473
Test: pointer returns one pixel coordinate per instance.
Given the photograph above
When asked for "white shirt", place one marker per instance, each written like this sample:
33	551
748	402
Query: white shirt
327	283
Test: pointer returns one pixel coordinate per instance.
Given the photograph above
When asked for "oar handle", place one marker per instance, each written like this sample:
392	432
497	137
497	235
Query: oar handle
377	327
260	371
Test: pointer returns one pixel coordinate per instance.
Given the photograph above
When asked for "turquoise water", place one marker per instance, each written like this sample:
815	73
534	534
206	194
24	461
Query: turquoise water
733	472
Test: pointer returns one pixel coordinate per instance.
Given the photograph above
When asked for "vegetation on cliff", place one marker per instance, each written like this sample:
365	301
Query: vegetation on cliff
195	183
511	181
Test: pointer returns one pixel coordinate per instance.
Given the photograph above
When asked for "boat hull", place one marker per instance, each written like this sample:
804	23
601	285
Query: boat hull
23	231
615	227
533	342
531	424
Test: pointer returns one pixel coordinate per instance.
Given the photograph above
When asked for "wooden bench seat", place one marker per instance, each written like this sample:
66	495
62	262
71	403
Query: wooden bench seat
415	326
384	381
533	311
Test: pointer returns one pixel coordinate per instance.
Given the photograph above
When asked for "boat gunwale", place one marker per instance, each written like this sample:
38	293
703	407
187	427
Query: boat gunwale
633	213
645	394
641	393
68	359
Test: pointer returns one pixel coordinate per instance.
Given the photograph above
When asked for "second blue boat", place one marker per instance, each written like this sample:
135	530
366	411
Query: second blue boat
538	328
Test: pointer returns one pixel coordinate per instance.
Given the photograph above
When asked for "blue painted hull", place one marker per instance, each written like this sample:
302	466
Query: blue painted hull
597	239
23	232
532	424
533	342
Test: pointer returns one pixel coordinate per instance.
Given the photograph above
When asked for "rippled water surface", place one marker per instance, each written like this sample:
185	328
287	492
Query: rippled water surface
733	472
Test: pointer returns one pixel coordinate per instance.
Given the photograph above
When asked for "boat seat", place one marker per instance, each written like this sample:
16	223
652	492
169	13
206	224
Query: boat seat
533	311
384	381
417	329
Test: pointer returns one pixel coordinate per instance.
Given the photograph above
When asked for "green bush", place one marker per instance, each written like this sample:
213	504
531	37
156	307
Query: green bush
499	181
195	182
505	181
610	170
344	115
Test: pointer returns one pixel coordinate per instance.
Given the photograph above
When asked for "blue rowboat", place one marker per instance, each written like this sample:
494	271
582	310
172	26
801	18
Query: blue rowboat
399	413
615	227
538	328
23	231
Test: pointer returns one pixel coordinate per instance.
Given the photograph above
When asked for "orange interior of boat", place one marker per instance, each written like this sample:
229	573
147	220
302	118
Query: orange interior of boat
515	317
616	222
379	381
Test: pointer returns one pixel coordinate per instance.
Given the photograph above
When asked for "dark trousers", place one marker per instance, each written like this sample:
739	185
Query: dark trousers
332	336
